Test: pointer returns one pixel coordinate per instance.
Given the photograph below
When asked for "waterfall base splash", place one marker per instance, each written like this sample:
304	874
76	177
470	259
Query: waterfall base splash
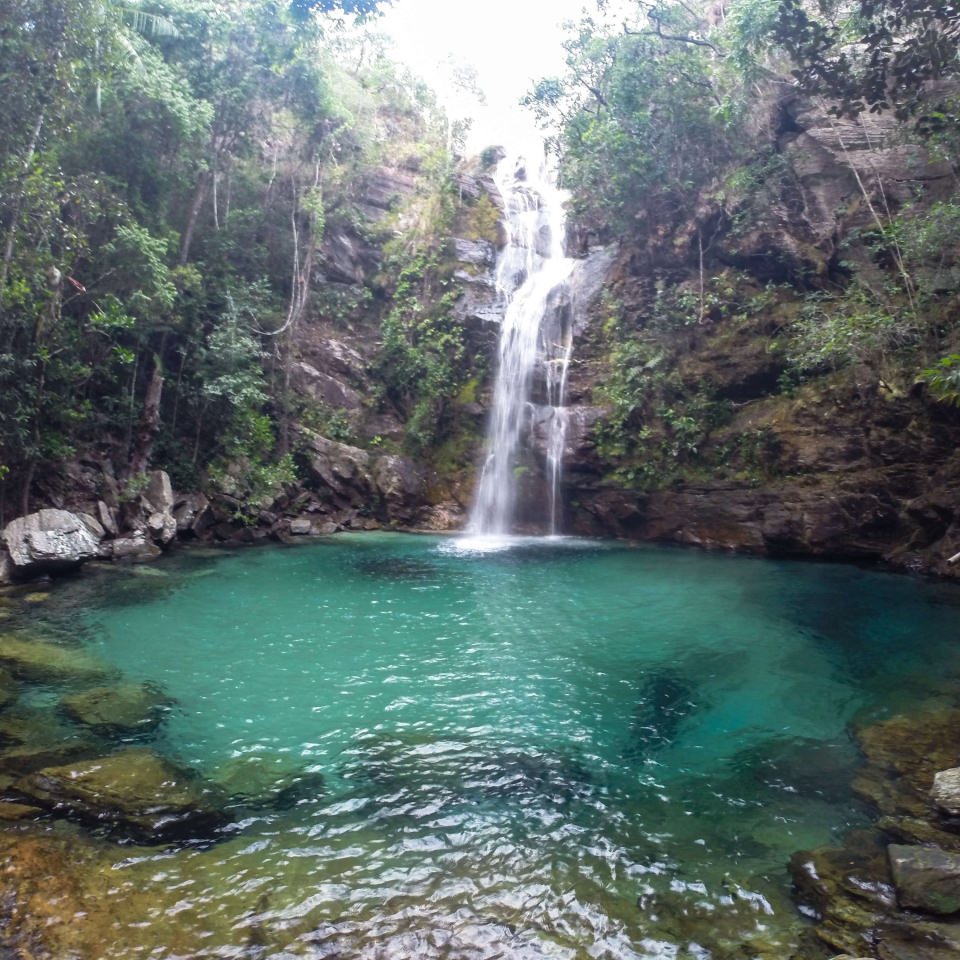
534	339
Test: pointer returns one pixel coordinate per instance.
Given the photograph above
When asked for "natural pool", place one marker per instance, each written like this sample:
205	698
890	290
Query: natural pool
564	749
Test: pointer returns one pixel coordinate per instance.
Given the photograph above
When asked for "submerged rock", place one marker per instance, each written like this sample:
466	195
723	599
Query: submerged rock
866	893
51	540
262	781
45	662
11	812
8	688
111	711
662	704
135	792
926	878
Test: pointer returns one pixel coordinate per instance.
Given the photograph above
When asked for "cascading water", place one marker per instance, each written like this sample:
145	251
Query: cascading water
531	270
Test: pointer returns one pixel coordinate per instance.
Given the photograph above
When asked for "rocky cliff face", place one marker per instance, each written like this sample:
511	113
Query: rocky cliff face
858	462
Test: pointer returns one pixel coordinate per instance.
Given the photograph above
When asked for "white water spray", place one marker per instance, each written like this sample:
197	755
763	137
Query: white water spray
531	267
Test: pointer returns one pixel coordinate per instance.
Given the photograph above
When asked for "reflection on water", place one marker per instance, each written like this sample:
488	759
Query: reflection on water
562	750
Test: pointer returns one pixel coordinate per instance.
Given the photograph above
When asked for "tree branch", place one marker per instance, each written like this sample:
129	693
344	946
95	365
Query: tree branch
669	36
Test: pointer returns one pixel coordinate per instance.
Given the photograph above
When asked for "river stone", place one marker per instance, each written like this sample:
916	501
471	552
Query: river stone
945	791
51	540
113	711
45	662
134	791
926	878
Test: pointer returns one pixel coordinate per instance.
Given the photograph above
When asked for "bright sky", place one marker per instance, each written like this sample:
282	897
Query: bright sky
511	43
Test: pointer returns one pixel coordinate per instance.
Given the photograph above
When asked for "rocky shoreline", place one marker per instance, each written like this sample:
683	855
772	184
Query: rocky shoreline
893	891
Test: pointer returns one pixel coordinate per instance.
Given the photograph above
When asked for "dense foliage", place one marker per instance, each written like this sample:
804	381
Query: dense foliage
673	125
169	172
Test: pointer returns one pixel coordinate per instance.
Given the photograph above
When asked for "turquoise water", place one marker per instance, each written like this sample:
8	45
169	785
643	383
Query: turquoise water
565	749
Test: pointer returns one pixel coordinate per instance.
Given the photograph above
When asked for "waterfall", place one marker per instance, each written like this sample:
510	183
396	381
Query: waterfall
531	272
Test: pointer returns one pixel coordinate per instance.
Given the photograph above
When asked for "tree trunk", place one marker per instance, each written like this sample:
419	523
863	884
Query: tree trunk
149	423
199	196
18	206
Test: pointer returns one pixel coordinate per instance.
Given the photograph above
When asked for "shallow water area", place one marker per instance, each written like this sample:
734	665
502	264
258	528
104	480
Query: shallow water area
436	747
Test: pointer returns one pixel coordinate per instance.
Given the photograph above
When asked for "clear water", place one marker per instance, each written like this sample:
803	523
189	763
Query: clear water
556	749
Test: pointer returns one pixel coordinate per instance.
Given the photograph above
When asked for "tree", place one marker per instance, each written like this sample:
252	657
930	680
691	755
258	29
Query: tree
872	54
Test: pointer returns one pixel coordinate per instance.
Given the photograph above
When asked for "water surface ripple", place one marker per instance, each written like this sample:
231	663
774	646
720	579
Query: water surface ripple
559	749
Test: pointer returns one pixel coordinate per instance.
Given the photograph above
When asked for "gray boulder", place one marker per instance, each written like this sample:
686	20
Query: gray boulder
51	540
301	526
311	382
159	492
402	484
162	527
192	513
945	791
342	468
136	549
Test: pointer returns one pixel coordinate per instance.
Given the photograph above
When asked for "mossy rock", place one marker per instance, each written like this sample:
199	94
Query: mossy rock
27	757
12	812
44	662
128	710
262	781
134	792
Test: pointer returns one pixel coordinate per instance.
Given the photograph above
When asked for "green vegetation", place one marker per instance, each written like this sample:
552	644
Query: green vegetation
673	126
170	172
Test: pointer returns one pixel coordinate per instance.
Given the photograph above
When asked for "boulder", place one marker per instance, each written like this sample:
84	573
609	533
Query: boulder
159	492
301	526
926	878
135	792
117	711
945	791
51	540
135	549
345	470
162	527
401	483
341	358
322	387
192	513
108	518
446	516
44	662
